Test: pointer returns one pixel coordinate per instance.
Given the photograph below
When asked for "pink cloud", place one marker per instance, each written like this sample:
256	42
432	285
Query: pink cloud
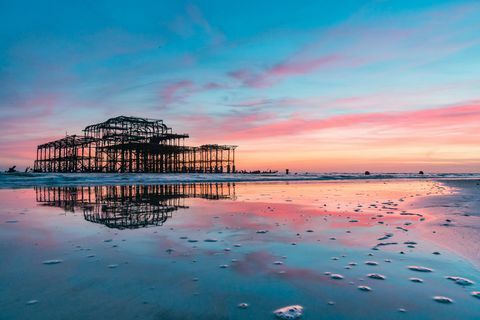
176	92
293	66
460	115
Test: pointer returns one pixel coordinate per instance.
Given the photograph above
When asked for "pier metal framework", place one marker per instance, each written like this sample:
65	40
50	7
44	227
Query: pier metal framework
130	206
131	144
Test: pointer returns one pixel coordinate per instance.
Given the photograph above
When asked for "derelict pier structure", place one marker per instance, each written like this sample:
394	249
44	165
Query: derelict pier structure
131	144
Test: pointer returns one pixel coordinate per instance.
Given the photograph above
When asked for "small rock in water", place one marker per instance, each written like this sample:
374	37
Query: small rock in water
108	240
224	266
30	302
371	263
461	281
290	312
402	310
53	261
210	240
475	294
262	231
417	280
278	263
11	221
364	288
436	253
112	266
443	299
376	276
243	305
420	269
336	276
192	240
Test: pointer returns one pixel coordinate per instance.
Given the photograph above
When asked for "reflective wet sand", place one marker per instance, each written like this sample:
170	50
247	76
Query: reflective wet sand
340	250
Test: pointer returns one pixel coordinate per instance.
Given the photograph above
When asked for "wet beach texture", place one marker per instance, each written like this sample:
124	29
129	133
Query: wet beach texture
383	249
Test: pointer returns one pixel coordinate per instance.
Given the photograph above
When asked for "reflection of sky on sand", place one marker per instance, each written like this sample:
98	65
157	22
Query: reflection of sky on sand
170	271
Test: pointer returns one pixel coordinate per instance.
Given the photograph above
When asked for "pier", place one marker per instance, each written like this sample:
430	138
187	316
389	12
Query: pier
131	144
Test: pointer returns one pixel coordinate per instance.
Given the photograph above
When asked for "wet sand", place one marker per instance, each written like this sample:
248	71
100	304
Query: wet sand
340	250
455	222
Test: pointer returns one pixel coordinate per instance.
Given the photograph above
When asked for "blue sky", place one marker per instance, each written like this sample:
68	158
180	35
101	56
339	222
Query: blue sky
335	83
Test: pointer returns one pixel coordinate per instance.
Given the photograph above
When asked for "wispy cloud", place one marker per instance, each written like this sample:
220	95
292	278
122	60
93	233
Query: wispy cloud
442	118
293	66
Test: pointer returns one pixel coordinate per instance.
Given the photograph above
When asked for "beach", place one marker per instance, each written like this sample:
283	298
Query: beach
341	249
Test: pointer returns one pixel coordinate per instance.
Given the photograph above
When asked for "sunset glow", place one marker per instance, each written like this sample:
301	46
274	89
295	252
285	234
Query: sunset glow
311	86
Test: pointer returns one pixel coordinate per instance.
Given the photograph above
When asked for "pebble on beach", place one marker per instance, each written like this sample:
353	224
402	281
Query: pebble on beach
461	281
442	299
364	288
53	261
420	269
376	276
289	312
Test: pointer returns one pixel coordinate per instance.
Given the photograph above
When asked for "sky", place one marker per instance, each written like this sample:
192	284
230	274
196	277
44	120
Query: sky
317	86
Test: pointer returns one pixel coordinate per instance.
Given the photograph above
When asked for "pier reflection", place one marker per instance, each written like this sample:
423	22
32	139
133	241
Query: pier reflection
130	206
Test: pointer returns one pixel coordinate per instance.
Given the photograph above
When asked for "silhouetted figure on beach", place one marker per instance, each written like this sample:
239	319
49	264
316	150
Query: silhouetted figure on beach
420	172
287	171
11	169
367	173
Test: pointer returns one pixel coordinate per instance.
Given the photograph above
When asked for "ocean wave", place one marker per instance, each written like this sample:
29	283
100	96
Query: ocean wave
26	180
